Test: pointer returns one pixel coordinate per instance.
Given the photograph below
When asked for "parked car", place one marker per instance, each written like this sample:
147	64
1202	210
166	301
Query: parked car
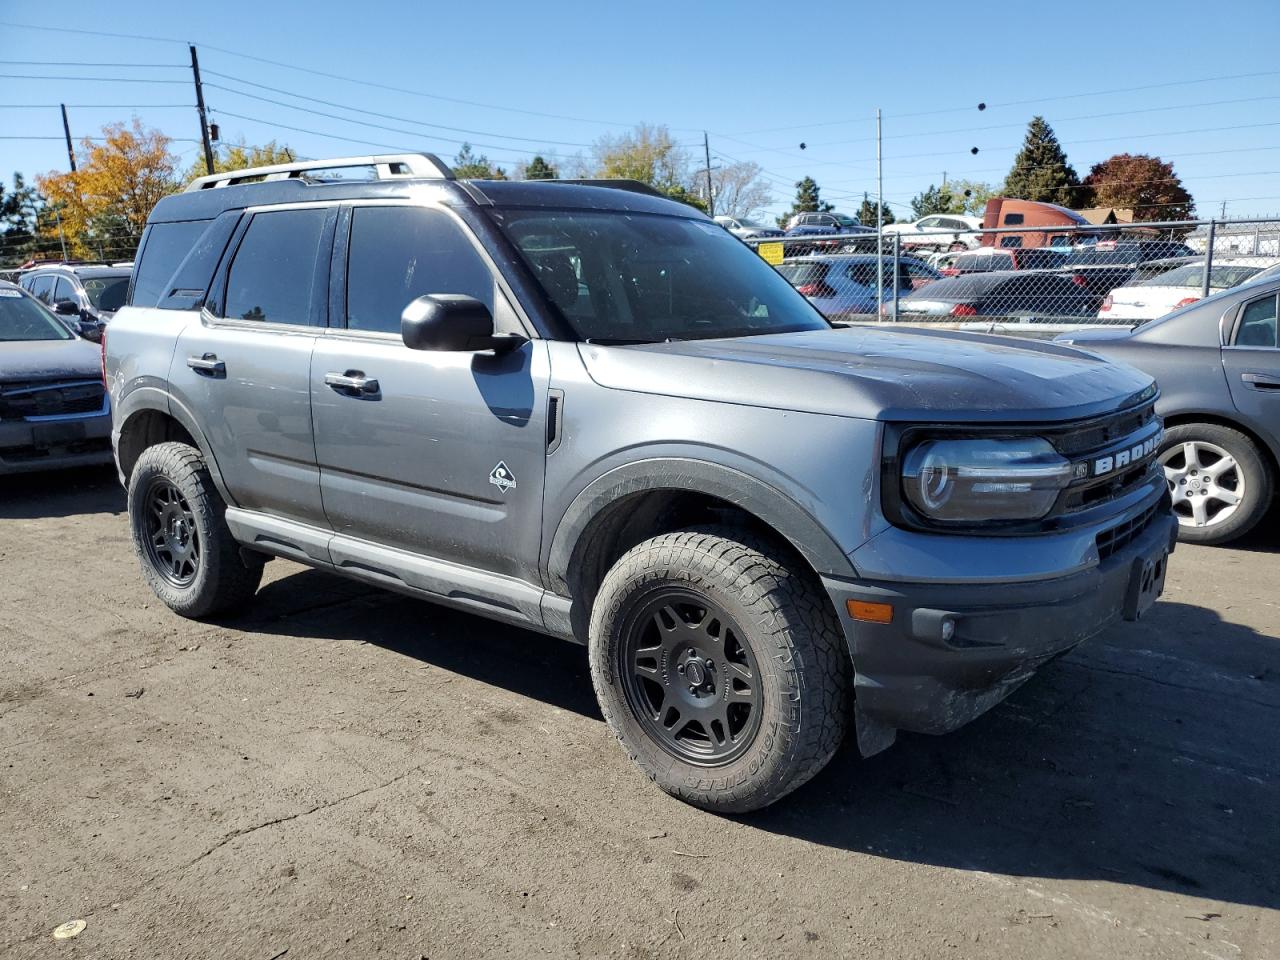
1043	224
592	413
1170	289
1218	363
845	286
1113	263
938	232
987	260
1026	296
825	222
53	408
745	229
87	295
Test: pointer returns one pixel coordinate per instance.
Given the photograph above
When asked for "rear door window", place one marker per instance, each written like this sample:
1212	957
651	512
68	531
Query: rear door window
273	274
1258	323
42	287
63	290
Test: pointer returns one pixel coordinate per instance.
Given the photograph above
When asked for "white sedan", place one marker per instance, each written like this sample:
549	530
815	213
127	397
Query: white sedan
943	231
1176	288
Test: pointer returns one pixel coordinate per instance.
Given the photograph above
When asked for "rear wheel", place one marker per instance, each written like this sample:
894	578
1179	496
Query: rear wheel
188	556
1220	485
719	666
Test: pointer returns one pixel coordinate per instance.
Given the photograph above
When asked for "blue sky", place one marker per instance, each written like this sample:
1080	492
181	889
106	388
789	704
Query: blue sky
759	77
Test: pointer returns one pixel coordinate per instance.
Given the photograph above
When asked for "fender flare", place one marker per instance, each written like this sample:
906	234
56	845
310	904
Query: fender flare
158	400
758	498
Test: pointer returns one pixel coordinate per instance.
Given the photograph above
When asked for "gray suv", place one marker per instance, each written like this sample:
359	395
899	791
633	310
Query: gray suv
589	411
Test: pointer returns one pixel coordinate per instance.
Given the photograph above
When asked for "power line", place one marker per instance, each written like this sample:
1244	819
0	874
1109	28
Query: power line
372	113
82	63
96	106
40	76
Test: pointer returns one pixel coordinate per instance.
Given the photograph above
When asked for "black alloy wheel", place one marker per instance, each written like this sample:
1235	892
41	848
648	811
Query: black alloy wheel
172	538
691	679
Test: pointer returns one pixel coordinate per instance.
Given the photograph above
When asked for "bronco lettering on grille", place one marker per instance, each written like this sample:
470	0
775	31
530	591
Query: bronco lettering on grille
1100	466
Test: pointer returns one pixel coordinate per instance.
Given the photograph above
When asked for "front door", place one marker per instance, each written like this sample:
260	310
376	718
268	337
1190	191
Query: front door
246	365
437	453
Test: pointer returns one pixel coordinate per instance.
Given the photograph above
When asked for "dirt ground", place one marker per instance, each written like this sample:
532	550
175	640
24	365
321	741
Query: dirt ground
340	772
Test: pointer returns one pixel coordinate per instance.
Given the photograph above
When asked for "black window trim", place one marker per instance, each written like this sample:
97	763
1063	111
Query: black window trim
341	250
1238	320
211	314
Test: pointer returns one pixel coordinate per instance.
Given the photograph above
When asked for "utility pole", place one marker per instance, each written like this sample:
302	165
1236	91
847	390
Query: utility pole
879	222
204	120
66	129
706	150
61	239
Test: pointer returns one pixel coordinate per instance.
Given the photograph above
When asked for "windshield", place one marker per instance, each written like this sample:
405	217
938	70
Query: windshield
107	293
645	277
1192	275
22	318
753	224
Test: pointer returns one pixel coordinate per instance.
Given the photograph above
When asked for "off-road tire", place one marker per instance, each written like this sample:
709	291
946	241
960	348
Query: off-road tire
1259	481
795	639
224	576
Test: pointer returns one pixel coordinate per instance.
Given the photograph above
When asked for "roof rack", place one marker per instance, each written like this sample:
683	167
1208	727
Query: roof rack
391	166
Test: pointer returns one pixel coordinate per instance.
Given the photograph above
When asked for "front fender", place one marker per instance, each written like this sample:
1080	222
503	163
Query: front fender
758	498
154	399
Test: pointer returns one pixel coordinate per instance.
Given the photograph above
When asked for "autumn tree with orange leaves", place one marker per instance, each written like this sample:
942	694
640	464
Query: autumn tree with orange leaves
104	205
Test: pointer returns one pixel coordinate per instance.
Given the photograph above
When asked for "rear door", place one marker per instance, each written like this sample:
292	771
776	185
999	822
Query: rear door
244	369
443	454
1251	360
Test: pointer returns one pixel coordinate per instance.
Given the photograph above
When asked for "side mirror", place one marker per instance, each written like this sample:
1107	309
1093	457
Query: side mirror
91	331
452	321
67	308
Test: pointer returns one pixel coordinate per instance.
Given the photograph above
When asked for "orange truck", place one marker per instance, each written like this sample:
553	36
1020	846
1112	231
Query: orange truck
1047	224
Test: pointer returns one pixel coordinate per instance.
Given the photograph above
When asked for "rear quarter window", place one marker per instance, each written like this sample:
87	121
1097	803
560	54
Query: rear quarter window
166	245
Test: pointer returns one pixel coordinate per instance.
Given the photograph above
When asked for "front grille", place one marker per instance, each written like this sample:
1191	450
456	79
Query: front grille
22	401
1116	538
1099	432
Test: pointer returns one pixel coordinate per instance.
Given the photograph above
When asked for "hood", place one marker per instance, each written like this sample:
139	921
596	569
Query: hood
877	374
47	359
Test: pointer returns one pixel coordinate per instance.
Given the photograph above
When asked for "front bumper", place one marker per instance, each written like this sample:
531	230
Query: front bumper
908	677
52	444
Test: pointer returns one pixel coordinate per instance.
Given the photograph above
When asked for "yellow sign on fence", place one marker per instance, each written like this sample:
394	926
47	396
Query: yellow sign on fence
770	252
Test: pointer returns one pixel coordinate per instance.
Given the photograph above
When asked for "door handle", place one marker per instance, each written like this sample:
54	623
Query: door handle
208	364
353	383
1261	381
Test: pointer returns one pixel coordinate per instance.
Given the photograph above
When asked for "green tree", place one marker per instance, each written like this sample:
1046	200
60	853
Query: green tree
1144	184
972	194
467	165
1040	170
808	200
22	215
539	169
936	200
239	156
867	213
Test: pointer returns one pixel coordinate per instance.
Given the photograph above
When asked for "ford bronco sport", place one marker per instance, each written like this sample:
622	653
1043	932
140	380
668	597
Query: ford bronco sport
587	410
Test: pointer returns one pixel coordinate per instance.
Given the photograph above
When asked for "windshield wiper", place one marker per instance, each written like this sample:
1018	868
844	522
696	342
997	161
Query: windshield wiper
623	341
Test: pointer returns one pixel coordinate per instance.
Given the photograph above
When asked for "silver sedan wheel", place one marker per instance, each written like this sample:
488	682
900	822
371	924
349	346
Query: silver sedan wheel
1205	481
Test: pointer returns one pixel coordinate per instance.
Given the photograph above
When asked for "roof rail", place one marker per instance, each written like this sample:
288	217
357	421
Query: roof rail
390	166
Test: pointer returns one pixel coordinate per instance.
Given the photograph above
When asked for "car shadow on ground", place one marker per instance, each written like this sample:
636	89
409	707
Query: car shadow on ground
1135	759
61	493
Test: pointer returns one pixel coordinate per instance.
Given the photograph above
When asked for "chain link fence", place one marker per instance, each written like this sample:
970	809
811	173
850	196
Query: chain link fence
1026	279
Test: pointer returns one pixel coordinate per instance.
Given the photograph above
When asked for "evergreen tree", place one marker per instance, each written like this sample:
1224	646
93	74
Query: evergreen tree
467	165
936	200
807	200
539	169
867	213
1040	170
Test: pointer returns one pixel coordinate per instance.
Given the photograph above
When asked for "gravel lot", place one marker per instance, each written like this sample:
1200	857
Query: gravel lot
341	772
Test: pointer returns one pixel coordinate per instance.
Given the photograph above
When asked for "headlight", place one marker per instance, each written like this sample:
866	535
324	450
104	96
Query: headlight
975	480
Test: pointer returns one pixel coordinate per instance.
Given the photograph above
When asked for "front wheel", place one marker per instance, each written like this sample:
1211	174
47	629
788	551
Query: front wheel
188	556
720	667
1220	484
